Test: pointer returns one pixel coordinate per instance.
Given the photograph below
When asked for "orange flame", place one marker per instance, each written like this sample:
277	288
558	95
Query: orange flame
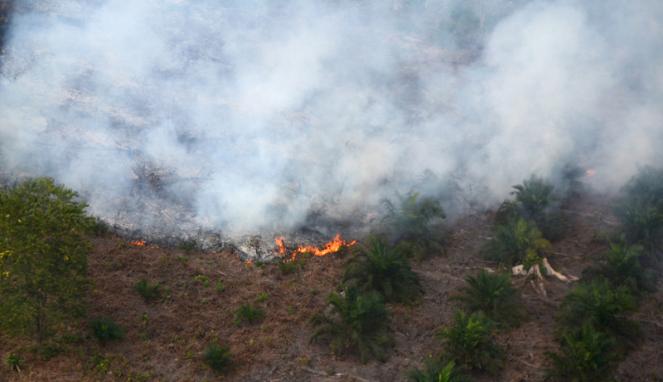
280	243
332	246
137	243
248	263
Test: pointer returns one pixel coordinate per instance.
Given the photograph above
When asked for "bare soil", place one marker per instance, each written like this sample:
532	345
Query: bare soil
165	339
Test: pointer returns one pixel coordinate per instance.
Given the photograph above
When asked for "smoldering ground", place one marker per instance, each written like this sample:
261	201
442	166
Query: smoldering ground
257	116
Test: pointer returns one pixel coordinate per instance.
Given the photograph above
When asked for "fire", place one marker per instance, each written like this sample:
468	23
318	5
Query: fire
248	263
137	243
332	246
280	243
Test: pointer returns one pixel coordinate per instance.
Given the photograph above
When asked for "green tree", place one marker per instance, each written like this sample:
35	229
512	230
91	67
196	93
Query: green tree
43	256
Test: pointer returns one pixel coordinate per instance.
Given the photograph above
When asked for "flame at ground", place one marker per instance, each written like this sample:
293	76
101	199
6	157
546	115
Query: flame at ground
137	243
332	246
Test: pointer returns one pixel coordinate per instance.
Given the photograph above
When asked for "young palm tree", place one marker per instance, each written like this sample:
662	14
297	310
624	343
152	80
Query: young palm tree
469	342
378	267
584	355
355	323
492	294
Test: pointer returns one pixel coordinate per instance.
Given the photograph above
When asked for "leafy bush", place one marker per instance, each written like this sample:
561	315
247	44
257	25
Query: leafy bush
14	362
249	314
586	355
43	257
149	291
517	242
378	267
641	208
469	342
217	357
437	371
621	267
492	294
355	323
105	330
412	224
602	306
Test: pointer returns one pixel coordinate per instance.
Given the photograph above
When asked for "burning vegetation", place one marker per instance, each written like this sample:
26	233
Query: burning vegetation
335	245
596	322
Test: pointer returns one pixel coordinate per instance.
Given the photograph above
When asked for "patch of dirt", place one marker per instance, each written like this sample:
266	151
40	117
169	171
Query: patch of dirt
164	340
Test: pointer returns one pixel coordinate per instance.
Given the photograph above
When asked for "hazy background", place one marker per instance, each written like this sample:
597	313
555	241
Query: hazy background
257	116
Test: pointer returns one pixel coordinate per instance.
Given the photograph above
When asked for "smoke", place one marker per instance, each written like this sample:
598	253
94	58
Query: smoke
255	116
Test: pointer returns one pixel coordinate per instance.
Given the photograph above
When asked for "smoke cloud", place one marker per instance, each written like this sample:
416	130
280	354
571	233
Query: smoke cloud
172	116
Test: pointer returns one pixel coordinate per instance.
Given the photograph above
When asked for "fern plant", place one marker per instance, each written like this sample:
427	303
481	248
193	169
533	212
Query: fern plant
354	323
412	224
378	267
585	355
641	208
602	306
469	342
492	294
517	242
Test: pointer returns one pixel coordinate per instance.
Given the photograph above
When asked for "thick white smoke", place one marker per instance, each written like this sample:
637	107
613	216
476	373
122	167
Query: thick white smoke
252	116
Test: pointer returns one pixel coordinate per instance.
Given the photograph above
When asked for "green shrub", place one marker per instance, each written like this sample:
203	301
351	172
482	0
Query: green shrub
413	224
217	357
469	342
584	355
602	306
354	323
492	294
105	330
437	371
202	279
262	297
49	349
378	267
641	208
621	267
14	362
515	243
148	291
288	266
248	315
43	257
